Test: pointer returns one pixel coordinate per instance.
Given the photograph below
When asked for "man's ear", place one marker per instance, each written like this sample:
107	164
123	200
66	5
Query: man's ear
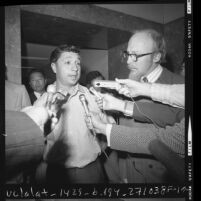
53	66
157	57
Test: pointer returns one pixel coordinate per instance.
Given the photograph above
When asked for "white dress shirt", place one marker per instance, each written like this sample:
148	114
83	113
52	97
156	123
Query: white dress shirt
154	75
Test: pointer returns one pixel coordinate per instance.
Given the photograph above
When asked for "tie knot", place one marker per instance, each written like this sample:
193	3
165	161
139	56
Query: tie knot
144	79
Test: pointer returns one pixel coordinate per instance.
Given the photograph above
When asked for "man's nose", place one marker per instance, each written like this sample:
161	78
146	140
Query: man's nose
75	67
129	60
37	82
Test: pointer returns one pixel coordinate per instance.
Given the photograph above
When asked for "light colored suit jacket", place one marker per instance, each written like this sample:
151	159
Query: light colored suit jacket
16	96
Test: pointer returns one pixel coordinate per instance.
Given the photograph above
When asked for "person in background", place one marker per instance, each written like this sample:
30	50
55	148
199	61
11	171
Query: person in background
16	95
37	82
93	76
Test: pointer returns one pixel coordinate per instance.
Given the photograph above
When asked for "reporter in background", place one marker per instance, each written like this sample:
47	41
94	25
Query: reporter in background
93	76
139	138
37	82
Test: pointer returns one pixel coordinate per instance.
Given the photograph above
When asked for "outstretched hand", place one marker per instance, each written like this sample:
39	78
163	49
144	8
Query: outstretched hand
94	121
109	102
134	88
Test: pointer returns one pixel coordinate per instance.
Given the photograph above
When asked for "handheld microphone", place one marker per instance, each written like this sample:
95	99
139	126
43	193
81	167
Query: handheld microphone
94	92
84	104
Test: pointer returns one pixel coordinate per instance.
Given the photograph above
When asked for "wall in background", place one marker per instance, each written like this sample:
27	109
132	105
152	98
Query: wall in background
117	66
94	60
161	13
174	36
13	43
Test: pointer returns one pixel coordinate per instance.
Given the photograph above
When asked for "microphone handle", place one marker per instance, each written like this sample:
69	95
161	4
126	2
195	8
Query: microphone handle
87	113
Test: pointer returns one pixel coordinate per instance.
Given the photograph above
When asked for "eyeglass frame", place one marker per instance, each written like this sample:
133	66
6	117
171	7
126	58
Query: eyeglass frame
136	55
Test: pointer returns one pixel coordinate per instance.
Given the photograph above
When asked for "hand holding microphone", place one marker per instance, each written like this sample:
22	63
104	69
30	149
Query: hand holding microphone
98	125
54	103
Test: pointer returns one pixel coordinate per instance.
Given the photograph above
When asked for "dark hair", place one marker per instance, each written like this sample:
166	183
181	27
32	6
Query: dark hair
92	75
36	70
60	49
158	39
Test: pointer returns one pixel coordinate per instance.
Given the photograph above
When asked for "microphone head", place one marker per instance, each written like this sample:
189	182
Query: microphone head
82	97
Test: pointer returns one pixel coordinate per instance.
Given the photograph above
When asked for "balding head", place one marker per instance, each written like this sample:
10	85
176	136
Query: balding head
156	38
149	47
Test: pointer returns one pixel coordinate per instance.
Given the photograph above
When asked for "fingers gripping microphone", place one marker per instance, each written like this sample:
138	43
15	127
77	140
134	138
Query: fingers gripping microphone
84	104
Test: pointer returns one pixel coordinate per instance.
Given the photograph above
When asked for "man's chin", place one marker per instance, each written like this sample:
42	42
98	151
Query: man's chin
73	82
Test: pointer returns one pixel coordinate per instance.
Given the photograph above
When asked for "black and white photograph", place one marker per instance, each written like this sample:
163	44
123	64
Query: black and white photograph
95	95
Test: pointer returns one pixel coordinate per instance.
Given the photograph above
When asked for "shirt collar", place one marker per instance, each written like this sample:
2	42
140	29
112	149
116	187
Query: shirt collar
74	91
154	75
38	95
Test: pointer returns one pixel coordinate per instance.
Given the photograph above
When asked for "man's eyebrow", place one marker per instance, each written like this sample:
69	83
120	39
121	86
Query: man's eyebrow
69	57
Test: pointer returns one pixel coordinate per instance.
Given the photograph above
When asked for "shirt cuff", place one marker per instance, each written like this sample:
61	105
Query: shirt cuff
128	108
108	132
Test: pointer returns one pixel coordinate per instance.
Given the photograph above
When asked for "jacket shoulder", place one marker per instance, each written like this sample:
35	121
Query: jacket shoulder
15	87
168	77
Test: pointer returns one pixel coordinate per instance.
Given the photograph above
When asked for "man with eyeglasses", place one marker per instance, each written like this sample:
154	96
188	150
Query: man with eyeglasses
144	54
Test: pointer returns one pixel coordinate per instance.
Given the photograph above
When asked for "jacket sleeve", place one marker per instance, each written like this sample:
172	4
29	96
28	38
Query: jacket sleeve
137	139
157	113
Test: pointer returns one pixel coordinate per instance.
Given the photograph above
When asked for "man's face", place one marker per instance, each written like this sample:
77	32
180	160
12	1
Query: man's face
67	68
140	43
37	82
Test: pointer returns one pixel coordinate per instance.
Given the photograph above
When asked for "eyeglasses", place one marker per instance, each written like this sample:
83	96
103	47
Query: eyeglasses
133	56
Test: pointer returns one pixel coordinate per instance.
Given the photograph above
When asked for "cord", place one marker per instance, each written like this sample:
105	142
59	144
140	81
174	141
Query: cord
143	113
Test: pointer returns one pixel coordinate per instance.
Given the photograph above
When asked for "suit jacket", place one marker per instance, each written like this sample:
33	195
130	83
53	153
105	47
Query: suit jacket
142	167
24	142
16	96
161	162
33	97
137	139
160	113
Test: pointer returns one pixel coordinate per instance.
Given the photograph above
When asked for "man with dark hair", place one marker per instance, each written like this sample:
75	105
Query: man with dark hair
91	77
37	82
73	153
